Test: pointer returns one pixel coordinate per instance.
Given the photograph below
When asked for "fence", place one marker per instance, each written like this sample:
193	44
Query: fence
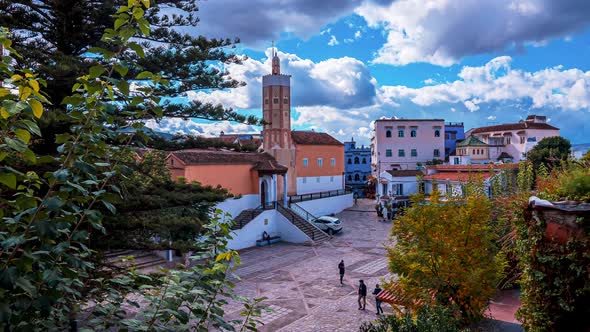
323	194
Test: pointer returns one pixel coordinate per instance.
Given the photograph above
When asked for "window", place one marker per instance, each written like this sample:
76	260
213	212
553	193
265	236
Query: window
453	135
401	153
331	179
357	177
285	100
457	161
436	153
447	136
437	133
305	162
507	139
388	153
364	178
333	162
364	160
400	133
384	189
317	179
414	153
388	133
266	101
356	160
320	162
349	161
275	100
522	139
399	189
413	133
350	178
304	180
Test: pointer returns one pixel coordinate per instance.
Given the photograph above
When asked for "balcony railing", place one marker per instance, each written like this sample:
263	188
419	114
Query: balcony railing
320	195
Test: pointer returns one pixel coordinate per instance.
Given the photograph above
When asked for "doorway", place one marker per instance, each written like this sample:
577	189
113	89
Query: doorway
263	192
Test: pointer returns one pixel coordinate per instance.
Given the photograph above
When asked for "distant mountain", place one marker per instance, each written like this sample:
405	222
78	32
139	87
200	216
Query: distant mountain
579	150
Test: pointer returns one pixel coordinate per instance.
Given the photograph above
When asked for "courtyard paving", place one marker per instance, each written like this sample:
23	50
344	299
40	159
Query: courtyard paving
301	283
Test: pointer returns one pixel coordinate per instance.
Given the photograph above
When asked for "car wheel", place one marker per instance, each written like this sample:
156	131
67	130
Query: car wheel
330	231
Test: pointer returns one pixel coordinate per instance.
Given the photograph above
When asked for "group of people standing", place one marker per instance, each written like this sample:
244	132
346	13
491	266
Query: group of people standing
362	291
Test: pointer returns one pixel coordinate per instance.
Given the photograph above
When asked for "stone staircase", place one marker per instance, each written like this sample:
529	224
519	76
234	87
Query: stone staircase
245	217
316	234
144	261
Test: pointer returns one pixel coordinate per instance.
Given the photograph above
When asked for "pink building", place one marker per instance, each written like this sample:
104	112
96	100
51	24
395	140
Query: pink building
400	144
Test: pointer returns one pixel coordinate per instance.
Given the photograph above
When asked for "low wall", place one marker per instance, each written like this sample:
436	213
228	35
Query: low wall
235	206
329	205
272	222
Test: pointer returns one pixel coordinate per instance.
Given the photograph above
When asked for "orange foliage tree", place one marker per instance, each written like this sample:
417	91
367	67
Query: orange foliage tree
446	246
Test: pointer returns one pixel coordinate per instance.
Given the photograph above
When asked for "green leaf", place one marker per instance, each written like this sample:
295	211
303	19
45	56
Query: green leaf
137	48
144	26
26	285
110	207
37	108
119	22
3	155
16	145
96	71
53	203
23	135
144	75
122	70
31	126
123	87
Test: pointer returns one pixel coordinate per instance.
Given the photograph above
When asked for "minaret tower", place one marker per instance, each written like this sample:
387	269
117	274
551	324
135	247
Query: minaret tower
276	113
276	107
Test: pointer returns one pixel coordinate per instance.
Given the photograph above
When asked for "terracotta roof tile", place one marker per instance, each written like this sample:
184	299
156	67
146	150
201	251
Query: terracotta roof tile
313	138
514	126
458	176
406	172
215	157
471	168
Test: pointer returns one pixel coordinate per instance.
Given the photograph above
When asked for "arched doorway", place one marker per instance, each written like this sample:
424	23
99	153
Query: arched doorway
263	192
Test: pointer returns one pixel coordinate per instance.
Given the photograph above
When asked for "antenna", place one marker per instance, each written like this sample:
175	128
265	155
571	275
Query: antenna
273	48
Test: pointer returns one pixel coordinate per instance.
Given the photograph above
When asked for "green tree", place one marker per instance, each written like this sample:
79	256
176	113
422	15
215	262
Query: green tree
550	151
66	30
586	156
447	247
48	217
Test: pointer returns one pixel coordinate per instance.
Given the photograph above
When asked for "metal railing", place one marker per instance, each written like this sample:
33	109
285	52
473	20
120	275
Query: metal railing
292	217
323	194
253	213
302	212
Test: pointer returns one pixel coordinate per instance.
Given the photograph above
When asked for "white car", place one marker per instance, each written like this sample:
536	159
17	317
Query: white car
330	225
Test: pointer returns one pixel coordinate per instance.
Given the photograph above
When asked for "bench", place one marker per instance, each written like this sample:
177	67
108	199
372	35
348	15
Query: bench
273	239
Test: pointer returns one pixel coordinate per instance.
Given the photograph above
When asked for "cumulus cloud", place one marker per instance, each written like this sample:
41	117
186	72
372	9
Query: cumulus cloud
441	32
496	81
339	82
210	129
333	41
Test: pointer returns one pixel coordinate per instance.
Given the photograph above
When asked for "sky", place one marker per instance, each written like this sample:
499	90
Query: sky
480	62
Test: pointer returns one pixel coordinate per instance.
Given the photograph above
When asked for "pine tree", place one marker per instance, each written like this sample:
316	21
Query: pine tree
55	39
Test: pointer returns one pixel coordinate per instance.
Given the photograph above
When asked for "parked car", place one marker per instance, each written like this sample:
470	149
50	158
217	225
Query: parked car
330	225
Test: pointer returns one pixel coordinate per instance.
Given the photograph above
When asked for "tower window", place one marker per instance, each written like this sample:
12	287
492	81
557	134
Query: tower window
266	101
285	100
275	100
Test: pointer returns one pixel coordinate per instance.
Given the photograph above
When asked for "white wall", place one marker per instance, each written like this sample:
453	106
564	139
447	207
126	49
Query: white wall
325	206
235	206
312	185
276	225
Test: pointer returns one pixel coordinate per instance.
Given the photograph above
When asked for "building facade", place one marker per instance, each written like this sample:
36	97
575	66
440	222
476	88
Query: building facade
403	144
454	132
514	140
357	167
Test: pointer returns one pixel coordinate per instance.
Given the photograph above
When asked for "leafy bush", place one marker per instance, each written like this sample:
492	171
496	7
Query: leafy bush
427	319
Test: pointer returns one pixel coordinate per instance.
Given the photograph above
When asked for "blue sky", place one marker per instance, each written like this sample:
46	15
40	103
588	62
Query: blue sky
477	61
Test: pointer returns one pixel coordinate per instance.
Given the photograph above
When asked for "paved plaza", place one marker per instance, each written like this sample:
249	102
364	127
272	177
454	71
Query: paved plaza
302	282
302	286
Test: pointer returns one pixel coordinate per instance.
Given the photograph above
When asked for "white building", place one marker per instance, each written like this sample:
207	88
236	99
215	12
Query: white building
399	183
514	140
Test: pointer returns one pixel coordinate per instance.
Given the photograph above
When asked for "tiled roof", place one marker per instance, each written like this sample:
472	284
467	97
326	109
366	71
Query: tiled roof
471	141
458	176
220	157
514	126
313	138
270	166
412	120
471	168
406	172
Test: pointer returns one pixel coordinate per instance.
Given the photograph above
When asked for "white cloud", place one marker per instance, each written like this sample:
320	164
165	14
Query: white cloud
333	41
491	117
496	81
441	32
429	81
357	34
210	129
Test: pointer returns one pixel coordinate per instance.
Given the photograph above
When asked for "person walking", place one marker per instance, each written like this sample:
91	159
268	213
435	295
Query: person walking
341	270
362	295
376	292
